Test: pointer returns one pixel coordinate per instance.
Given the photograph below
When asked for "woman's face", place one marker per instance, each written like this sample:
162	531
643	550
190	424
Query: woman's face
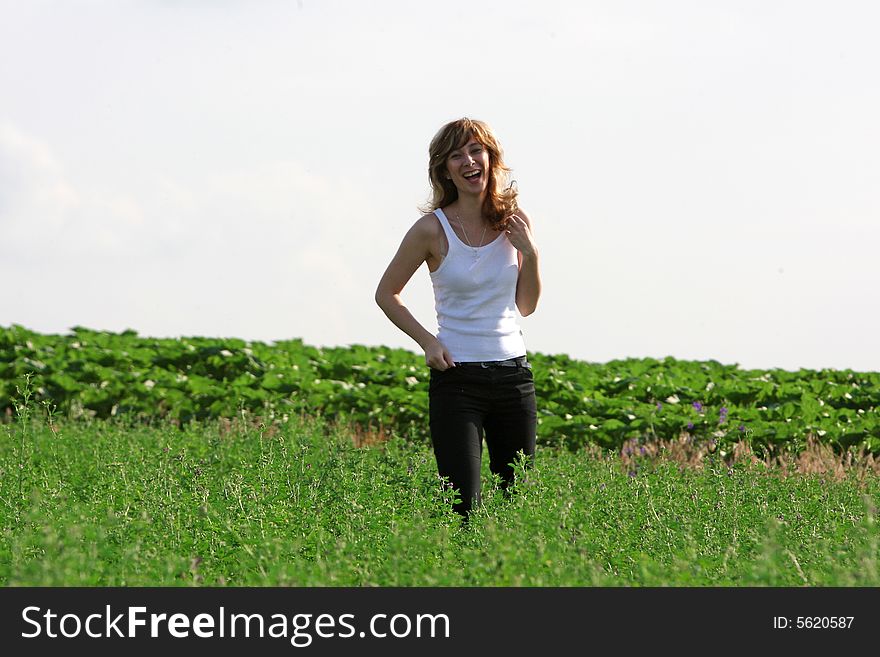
468	167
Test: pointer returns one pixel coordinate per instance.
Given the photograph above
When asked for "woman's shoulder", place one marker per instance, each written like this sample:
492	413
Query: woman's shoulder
428	225
423	234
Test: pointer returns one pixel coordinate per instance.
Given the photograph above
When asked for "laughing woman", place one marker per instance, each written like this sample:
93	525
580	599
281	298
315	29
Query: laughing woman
483	262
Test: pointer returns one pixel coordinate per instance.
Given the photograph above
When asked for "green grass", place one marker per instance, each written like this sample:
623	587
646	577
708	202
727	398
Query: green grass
298	504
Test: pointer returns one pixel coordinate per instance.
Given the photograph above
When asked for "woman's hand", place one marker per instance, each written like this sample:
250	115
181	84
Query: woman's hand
520	235
528	282
437	357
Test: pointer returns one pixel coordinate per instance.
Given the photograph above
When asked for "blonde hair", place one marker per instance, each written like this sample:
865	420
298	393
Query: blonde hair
501	194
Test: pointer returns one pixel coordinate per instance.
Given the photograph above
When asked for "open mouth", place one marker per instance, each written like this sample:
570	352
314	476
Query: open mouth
473	175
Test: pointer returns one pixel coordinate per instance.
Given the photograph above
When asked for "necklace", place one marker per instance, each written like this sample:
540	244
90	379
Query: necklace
464	232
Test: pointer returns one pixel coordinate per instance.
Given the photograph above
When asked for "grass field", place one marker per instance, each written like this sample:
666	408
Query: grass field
299	503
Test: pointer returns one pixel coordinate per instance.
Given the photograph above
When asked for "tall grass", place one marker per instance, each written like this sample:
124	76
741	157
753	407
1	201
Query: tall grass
298	503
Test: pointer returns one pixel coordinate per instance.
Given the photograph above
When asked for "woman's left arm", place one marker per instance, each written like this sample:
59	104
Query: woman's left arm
528	284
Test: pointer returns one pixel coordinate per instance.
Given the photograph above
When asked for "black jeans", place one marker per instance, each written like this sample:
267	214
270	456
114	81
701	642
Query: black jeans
466	402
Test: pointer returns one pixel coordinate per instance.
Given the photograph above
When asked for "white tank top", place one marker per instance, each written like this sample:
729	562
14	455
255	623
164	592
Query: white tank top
475	299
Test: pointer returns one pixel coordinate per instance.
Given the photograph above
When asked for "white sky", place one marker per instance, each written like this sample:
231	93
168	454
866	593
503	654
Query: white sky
703	176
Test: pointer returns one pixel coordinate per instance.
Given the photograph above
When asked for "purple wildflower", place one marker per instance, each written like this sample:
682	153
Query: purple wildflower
698	406
723	415
659	406
690	425
742	427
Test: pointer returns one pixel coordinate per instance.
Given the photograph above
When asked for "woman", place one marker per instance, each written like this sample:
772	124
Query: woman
483	262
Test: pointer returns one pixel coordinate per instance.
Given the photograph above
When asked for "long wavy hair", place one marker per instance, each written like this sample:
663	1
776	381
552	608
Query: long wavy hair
501	194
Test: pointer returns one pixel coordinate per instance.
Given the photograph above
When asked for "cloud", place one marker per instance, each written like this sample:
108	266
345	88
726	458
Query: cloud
283	243
44	214
32	184
277	210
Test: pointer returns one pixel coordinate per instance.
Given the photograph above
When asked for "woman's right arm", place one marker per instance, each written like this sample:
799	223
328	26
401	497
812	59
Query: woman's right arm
413	251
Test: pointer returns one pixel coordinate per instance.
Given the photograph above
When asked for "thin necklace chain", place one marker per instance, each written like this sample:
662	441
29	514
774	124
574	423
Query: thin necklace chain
464	232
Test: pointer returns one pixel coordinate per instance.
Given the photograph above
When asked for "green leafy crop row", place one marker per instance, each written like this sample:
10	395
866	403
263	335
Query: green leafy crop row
97	374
